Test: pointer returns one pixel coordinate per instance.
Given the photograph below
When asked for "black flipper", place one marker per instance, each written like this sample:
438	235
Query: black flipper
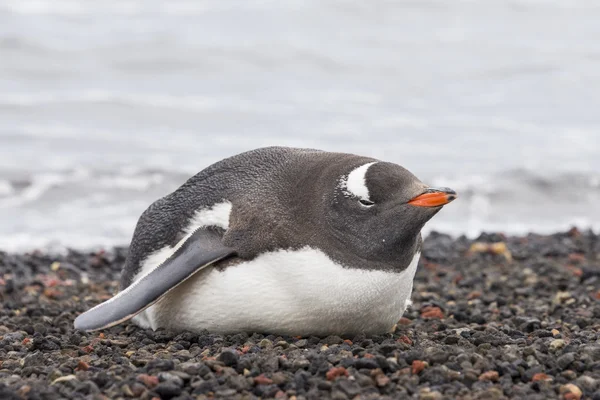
201	249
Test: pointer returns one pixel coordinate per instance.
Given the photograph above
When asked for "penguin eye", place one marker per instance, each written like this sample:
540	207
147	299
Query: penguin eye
366	203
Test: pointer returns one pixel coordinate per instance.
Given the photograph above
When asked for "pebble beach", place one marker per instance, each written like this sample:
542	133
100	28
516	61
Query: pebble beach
492	318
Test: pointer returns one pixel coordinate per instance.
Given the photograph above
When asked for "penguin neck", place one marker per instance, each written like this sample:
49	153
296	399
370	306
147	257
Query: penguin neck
397	256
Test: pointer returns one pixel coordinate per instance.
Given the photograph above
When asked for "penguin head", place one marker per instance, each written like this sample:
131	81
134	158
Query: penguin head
378	209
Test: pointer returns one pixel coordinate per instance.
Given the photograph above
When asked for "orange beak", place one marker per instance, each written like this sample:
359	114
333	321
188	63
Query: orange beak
434	197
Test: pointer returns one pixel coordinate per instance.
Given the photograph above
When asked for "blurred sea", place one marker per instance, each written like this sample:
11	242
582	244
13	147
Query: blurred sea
107	105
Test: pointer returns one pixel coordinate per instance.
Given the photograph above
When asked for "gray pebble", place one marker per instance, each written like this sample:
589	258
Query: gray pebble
565	360
33	359
170	378
587	383
498	318
331	340
168	389
229	357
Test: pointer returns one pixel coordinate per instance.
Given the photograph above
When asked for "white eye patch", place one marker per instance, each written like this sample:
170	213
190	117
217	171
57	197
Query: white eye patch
355	183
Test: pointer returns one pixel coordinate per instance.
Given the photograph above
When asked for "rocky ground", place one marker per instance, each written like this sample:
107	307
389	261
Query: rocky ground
494	318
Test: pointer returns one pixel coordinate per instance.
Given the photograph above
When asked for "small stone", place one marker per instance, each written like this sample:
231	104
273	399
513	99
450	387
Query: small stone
451	340
191	368
300	363
569	374
226	393
418	366
87	349
54	375
428	394
170	378
531	325
365	362
570	392
405	339
87	387
492	393
33	359
82	366
324	385
555	332
262	380
350	388
593	351
167	390
498	248
492	376
432	312
561	297
330	340
556	344
363	380
127	390
265	344
541	377
24	391
335	395
587	383
474	295
205	386
137	389
502	249
336	372
13	337
279	378
53	293
149	380
229	357
565	360
382	380
66	378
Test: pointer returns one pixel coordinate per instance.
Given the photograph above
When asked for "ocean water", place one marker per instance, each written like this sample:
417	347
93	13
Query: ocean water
107	106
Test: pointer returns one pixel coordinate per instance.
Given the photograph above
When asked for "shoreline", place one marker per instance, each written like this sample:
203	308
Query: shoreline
57	248
495	317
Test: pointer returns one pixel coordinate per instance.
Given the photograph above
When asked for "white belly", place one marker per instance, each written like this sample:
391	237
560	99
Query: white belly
294	293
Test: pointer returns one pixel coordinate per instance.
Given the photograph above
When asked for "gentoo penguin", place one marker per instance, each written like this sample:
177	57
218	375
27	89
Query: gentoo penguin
277	240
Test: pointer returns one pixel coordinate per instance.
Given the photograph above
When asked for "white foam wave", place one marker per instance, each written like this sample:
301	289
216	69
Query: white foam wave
40	184
86	209
104	96
518	202
80	181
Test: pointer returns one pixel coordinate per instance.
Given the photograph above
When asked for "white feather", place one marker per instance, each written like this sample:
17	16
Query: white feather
355	183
